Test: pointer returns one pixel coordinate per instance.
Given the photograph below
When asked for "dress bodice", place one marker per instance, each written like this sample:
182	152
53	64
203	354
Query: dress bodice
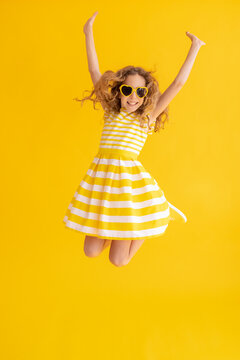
123	131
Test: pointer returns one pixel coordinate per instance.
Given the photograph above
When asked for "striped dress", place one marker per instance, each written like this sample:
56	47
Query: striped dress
117	198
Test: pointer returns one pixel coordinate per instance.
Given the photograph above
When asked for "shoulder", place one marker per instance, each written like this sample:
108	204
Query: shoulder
107	113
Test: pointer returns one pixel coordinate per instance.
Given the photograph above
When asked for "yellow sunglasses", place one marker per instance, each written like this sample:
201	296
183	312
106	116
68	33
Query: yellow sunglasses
127	90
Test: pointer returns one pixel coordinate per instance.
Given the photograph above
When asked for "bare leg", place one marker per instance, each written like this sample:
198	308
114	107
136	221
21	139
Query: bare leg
106	243
93	246
135	245
122	251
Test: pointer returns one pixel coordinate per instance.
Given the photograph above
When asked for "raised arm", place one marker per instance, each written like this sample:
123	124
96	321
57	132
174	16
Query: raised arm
180	79
93	65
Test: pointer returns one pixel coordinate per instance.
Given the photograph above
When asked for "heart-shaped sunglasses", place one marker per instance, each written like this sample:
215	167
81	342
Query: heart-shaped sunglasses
127	90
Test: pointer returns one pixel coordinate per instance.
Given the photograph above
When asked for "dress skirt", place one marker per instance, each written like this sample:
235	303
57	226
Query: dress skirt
118	199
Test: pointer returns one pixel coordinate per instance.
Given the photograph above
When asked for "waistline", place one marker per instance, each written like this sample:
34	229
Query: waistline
117	152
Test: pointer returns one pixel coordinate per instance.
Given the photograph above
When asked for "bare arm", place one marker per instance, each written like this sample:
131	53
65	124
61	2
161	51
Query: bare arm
180	79
184	72
92	58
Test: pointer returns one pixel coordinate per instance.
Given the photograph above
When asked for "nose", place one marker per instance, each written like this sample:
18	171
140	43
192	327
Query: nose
133	96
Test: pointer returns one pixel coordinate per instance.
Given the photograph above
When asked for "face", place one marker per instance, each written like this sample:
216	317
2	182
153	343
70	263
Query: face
131	103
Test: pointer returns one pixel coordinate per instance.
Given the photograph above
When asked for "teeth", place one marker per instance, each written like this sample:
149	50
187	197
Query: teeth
132	103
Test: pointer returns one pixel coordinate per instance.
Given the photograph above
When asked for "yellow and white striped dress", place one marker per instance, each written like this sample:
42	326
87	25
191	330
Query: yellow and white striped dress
117	198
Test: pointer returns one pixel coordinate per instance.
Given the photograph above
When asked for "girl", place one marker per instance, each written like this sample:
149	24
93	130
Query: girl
118	202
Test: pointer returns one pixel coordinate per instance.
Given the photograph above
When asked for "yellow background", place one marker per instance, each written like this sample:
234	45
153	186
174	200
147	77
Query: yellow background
178	298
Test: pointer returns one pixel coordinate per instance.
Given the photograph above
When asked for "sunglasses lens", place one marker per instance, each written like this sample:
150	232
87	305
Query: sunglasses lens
141	92
126	90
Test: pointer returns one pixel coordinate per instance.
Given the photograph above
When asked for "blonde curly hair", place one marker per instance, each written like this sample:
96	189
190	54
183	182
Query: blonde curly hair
106	91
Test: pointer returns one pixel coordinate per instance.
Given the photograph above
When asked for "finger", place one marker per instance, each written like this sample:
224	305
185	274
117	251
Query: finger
93	17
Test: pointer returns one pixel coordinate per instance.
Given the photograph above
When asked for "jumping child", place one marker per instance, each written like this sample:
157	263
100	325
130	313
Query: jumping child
118	203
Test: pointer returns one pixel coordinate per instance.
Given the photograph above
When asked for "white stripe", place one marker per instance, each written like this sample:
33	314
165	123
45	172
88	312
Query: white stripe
178	211
140	137
120	116
129	116
121	143
123	121
118	124
126	138
126	127
116	233
121	218
120	204
118	190
119	147
116	162
137	134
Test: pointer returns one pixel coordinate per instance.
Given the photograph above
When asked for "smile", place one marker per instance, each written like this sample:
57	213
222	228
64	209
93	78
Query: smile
131	104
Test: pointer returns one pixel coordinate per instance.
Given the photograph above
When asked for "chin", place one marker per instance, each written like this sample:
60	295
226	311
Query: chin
133	108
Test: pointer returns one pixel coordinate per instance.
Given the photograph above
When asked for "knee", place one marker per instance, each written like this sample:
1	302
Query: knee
118	261
91	251
92	246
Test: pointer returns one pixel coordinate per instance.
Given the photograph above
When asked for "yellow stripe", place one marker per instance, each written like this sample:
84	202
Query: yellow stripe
113	153
127	211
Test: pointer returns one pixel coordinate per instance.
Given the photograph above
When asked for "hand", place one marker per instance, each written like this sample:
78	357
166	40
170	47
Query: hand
89	23
194	39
